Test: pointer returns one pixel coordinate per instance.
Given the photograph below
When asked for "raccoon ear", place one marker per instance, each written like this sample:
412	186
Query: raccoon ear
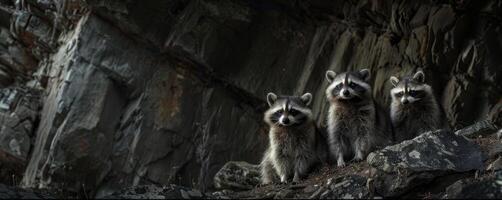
307	98
330	76
394	81
271	98
419	76
365	74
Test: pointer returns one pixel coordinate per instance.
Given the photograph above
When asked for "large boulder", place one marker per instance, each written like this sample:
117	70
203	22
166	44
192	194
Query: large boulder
412	163
237	176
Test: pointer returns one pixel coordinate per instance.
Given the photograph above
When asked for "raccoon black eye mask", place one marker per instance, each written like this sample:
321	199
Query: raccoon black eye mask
410	89
288	110
348	86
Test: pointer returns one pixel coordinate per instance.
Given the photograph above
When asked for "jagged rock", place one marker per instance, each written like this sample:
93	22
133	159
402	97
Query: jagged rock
157	192
237	176
415	162
7	192
495	165
106	117
347	187
478	129
19	112
490	188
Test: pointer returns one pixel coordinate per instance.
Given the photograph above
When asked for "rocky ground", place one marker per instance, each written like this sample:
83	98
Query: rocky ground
439	164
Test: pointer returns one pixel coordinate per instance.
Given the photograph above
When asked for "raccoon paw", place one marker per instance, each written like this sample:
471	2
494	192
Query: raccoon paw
284	179
264	183
296	179
341	164
357	159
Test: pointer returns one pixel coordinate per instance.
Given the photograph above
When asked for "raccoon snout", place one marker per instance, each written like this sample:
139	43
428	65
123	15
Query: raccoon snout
405	101
284	120
346	93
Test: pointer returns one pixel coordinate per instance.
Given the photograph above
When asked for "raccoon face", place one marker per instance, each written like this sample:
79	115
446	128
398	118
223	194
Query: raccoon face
348	85
410	89
288	110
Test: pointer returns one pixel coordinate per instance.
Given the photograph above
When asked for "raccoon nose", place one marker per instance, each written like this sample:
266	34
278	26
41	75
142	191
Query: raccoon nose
405	101
285	120
346	93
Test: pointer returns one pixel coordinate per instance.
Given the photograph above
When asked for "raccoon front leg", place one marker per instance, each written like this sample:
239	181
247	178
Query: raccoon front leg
361	147
303	163
268	174
284	168
336	149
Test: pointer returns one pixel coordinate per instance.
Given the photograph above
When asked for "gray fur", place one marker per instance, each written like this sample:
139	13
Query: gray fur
292	151
353	128
421	112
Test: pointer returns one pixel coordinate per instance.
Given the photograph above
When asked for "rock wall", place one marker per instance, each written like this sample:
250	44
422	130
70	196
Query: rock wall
139	92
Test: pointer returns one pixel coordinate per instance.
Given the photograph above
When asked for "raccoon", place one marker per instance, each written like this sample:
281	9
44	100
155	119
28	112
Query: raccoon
414	108
292	138
354	129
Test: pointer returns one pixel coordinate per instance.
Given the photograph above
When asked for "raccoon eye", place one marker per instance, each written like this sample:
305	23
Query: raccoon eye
294	112
352	84
417	94
413	93
399	94
280	112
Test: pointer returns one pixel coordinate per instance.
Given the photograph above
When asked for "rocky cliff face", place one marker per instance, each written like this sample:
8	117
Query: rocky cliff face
141	92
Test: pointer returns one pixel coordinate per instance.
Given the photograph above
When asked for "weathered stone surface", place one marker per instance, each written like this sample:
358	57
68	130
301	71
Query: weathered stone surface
19	112
157	192
412	163
104	117
490	188
237	176
478	129
74	140
347	187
